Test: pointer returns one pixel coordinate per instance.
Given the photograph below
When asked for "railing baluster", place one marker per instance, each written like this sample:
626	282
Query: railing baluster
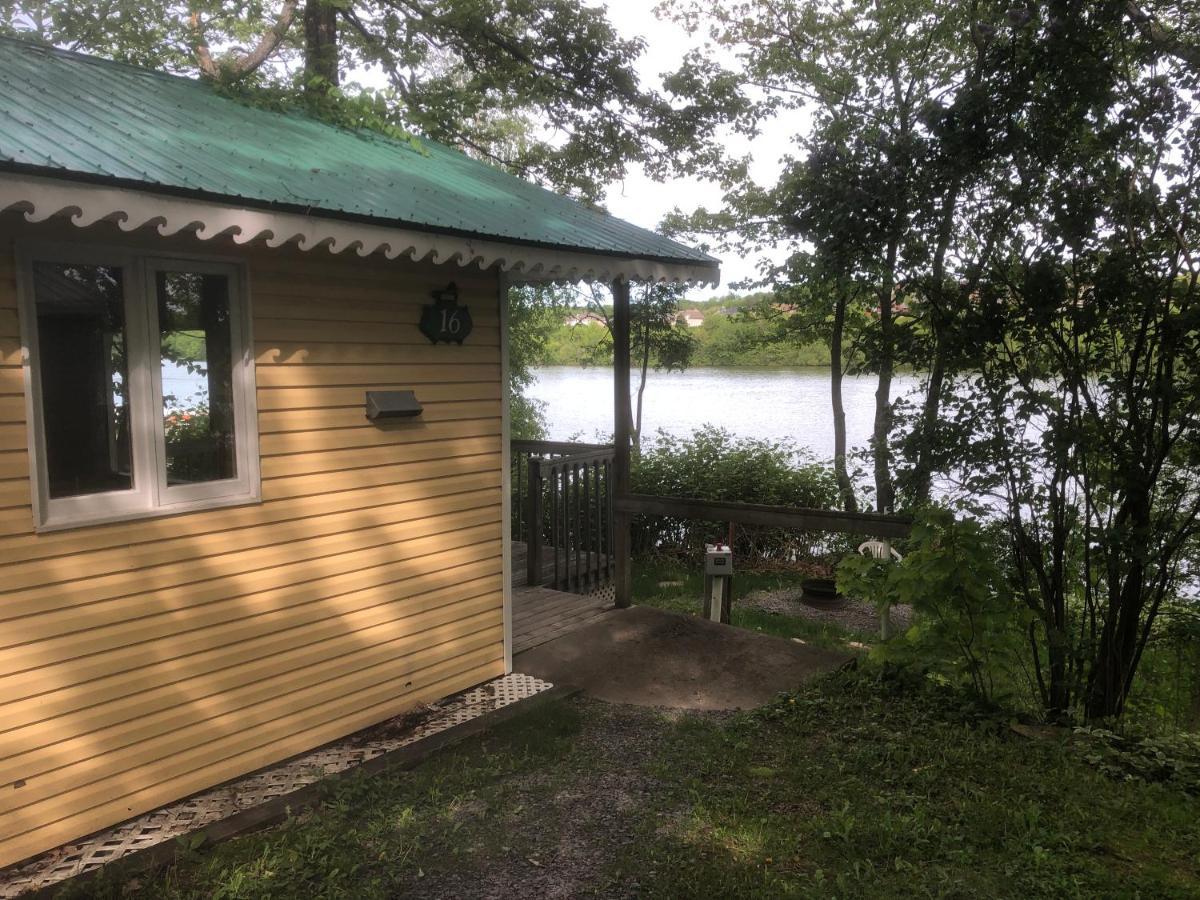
596	481
519	500
576	481
585	470
533	547
579	532
609	537
554	537
566	531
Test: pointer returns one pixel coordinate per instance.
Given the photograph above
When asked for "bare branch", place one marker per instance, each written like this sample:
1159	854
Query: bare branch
1162	38
248	62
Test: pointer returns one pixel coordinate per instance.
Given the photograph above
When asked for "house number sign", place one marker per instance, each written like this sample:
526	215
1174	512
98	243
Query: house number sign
444	319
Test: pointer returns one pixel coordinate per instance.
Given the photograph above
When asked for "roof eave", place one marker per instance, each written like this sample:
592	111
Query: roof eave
87	200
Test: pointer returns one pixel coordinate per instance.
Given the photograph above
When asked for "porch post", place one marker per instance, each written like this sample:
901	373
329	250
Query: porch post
622	413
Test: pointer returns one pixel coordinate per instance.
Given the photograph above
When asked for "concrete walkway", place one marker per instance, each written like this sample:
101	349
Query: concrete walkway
649	657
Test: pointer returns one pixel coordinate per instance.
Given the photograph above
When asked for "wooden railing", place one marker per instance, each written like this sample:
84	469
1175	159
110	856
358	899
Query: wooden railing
874	524
562	511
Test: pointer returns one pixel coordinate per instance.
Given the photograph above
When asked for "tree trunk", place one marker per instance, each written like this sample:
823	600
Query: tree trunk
922	484
320	46
881	432
1116	656
637	423
845	488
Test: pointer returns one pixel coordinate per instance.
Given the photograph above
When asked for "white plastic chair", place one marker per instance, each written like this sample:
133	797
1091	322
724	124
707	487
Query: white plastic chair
882	550
879	550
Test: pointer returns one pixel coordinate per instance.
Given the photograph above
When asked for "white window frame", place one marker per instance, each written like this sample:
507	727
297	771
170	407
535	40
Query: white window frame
150	495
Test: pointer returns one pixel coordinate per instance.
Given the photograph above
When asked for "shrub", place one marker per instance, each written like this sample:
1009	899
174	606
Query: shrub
1172	759
712	464
967	625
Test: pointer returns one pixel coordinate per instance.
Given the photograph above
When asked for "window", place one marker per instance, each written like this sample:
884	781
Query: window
141	385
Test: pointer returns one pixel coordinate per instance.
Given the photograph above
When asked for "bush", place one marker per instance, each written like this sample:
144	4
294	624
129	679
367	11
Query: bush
967	626
1172	759
1167	690
711	464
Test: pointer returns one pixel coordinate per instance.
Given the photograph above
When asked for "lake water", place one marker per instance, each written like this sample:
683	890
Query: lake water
775	404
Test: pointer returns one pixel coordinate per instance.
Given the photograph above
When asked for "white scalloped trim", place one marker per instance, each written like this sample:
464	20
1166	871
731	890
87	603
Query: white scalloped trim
86	204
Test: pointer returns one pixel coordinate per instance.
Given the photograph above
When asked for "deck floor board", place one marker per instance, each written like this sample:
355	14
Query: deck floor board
541	613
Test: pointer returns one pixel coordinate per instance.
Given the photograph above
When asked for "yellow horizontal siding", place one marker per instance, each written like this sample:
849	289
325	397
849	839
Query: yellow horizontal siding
247	570
326	418
313	334
379	476
353	396
12	408
310	376
393	434
235	524
311	353
16	492
418	596
144	661
292	541
369	662
13	436
14	464
102	685
312	729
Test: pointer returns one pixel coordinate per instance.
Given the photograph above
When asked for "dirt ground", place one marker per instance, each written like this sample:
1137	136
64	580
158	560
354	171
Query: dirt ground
650	657
582	822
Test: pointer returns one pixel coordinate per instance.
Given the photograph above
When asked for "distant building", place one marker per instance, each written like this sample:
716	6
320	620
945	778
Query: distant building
730	311
583	318
692	318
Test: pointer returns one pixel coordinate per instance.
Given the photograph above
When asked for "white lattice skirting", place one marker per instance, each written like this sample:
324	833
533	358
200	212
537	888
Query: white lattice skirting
170	822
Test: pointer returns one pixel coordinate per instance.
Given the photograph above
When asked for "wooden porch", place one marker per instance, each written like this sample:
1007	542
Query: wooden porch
541	613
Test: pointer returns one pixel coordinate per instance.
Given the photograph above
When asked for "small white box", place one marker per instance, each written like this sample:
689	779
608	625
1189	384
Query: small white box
718	560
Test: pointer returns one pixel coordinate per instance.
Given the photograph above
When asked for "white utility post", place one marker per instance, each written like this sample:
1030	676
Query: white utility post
718	582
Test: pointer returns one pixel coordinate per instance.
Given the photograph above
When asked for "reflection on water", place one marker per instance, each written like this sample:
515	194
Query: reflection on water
775	404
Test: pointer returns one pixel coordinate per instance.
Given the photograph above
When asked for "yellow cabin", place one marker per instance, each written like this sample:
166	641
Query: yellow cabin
211	557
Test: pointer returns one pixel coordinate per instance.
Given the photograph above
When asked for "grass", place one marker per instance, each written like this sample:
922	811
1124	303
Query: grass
851	787
854	786
666	585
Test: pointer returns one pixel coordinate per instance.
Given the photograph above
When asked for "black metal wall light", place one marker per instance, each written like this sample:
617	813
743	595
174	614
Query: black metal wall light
392	405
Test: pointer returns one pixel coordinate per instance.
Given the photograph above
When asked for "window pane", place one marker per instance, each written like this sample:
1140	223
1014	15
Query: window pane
196	341
83	368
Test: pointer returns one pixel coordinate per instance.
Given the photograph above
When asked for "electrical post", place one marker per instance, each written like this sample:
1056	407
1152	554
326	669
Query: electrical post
718	582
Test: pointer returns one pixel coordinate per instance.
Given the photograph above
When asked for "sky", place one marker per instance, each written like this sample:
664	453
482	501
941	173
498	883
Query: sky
645	202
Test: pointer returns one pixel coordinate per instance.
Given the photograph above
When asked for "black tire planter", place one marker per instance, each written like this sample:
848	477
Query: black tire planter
821	593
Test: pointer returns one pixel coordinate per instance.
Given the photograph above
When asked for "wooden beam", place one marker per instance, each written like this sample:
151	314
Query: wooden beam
622	418
873	524
566	448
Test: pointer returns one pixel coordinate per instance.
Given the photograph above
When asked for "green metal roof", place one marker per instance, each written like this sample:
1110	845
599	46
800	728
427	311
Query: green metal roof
67	115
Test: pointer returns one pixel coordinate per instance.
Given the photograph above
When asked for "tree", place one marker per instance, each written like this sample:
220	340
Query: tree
1023	179
656	337
810	305
869	202
458	71
1082	421
533	315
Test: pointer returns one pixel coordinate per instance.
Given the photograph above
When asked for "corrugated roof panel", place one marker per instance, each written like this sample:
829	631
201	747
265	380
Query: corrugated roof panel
73	115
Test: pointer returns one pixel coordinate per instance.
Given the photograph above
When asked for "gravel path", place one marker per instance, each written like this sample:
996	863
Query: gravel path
856	615
559	833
